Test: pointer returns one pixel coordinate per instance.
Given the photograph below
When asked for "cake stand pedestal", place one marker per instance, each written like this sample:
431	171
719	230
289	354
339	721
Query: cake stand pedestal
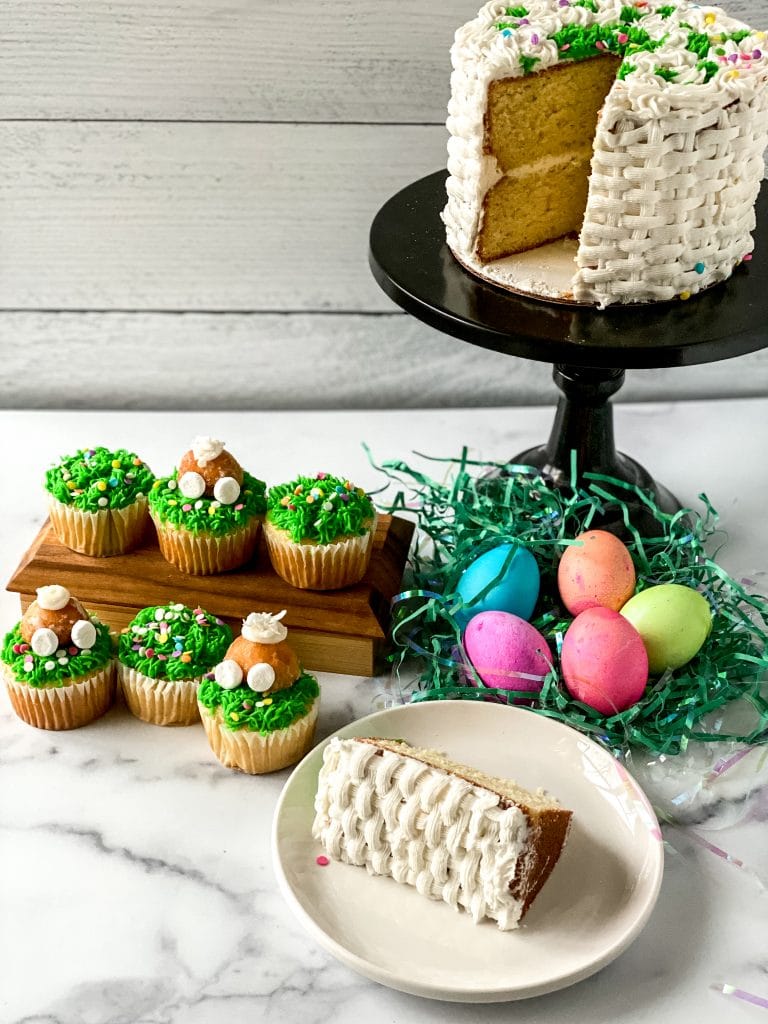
590	348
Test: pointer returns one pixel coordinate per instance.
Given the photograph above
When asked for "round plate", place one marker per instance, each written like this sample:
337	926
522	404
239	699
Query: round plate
594	904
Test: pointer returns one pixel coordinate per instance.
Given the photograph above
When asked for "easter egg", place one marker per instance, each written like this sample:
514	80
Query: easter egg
674	621
511	573
603	661
505	649
595	572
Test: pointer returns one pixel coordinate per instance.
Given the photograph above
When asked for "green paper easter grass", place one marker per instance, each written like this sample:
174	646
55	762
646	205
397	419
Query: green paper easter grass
468	513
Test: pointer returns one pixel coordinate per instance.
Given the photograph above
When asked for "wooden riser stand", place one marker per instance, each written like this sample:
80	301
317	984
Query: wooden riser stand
331	631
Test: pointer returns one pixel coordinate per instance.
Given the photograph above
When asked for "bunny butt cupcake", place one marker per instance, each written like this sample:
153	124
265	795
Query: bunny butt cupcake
258	707
319	532
162	657
97	500
57	663
208	513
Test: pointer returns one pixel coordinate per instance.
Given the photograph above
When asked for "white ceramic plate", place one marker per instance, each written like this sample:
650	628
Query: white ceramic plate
594	904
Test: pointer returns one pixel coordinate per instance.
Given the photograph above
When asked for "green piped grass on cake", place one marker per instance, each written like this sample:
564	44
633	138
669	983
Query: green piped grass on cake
258	733
162	657
319	531
97	500
201	536
63	690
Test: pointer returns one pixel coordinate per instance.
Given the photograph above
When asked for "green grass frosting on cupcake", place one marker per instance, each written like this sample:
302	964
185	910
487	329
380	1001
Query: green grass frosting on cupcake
207	515
57	669
94	479
322	508
171	641
241	708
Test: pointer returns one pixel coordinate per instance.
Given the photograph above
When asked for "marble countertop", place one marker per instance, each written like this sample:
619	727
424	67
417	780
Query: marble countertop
135	877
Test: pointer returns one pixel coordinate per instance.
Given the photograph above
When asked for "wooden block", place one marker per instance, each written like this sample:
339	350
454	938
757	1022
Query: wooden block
332	631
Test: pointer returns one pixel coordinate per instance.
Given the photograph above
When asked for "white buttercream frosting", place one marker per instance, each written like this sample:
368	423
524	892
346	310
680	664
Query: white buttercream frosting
396	816
264	628
53	598
677	164
205	449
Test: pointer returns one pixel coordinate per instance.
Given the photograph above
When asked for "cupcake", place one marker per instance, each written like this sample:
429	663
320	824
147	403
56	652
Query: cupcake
319	531
97	500
58	663
258	707
162	657
208	513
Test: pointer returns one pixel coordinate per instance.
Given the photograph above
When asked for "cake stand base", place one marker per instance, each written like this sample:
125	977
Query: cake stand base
582	441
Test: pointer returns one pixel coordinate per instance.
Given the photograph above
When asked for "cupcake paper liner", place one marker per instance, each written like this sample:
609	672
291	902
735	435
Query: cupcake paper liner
159	701
110	531
203	554
312	566
63	707
256	754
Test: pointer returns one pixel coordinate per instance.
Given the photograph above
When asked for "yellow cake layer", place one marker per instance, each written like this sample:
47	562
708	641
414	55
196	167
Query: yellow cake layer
526	210
540	129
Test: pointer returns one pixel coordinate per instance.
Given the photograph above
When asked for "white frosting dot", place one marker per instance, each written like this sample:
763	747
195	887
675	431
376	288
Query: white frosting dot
228	674
53	597
103	502
84	634
192	485
50	665
226	490
260	677
44	641
159	614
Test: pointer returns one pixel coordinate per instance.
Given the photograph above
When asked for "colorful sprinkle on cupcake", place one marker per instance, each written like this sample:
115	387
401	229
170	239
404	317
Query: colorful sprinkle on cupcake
319	531
97	500
163	656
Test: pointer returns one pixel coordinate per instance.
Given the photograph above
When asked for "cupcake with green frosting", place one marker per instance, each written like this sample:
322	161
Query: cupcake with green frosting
208	512
58	663
162	657
259	708
319	531
97	500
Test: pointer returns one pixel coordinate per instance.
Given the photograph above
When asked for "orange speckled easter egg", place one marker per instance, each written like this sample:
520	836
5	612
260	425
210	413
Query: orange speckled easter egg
595	572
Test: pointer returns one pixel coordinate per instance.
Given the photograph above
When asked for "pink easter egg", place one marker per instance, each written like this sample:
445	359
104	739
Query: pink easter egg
604	663
596	570
507	652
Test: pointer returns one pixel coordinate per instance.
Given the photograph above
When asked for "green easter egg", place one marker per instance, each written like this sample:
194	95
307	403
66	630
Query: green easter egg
674	621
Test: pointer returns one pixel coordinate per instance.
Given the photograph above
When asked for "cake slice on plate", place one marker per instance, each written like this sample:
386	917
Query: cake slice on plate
479	843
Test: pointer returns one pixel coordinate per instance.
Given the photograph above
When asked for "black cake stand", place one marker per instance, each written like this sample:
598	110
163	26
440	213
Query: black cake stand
590	348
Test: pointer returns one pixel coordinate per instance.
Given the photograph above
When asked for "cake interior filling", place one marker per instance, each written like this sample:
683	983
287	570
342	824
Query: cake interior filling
541	129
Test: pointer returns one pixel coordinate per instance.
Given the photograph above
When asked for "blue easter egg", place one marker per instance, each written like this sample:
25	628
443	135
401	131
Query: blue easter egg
516	587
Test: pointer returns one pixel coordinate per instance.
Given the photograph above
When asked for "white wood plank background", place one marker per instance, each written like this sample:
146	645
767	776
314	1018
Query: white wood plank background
155	212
